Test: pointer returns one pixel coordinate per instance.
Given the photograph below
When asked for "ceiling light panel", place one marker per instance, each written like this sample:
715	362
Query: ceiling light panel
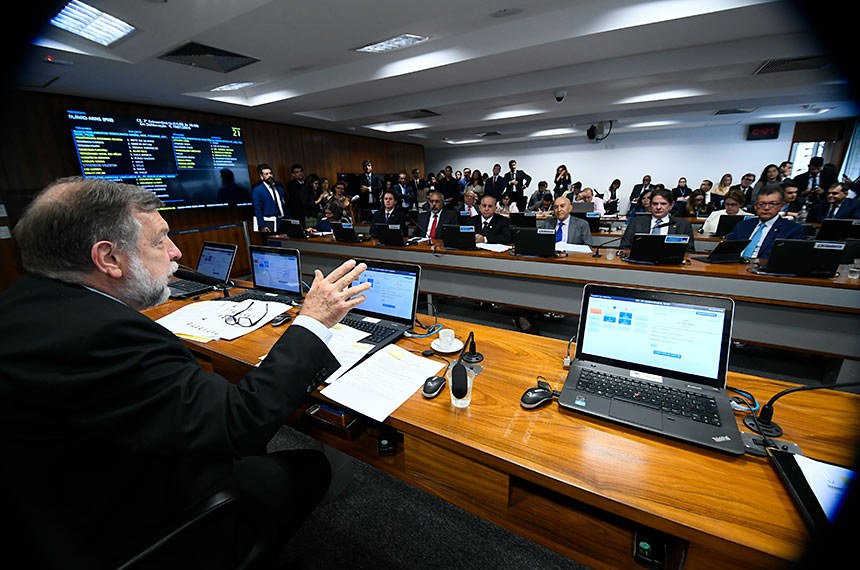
87	22
391	44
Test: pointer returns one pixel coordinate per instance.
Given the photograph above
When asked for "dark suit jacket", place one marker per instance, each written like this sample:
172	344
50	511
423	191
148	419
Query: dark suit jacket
264	206
641	224
782	229
637	189
450	189
424	221
364	198
849	210
518	192
498	230
825	180
109	427
495	188
398	216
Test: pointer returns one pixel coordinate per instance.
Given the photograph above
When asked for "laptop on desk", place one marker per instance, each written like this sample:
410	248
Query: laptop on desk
293	228
276	273
458	237
656	361
803	258
592	218
534	242
390	234
215	261
727	223
523	219
725	252
837	230
582	207
658	249
345	232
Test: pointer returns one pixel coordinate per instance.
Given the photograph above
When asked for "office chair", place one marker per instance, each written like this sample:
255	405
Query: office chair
218	507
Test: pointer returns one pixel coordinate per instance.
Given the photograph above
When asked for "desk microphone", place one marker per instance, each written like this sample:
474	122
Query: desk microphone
459	376
417	225
472	356
764	423
185	272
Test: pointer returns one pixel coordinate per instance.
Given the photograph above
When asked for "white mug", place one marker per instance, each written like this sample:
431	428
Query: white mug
446	338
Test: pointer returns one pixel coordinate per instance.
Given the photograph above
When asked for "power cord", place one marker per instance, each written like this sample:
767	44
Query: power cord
744	401
566	361
431	330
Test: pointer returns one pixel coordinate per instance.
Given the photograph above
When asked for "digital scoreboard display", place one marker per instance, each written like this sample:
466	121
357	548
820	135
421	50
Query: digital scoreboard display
186	164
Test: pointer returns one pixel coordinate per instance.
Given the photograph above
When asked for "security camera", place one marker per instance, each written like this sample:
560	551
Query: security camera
560	95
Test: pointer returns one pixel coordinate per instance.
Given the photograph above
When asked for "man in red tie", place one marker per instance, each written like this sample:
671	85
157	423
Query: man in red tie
430	222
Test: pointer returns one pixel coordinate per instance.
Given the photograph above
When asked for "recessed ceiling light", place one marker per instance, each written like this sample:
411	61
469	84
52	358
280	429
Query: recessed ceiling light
652	124
92	24
395	43
234	86
511	114
662	96
554	132
396	127
463	141
791	115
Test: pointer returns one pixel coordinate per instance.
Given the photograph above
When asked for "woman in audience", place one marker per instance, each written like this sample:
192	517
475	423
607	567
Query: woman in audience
610	203
682	191
323	196
769	179
506	205
641	206
793	202
339	198
331	213
562	181
732	205
723	187
694	207
476	183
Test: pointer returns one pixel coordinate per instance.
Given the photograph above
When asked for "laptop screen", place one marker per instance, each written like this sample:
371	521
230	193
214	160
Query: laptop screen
216	260
669	334
276	269
393	293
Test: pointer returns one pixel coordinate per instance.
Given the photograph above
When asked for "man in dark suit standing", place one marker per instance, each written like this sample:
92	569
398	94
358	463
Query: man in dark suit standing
659	222
516	182
767	227
491	227
815	181
109	426
429	222
639	188
495	184
389	214
269	199
449	186
369	187
838	206
746	186
299	194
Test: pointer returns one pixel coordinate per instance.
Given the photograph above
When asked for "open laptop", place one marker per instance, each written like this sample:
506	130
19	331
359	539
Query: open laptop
534	242
582	207
727	223
390	304
293	228
458	237
276	273
657	361
835	229
803	258
345	231
728	251
658	249
523	219
592	218
215	261
390	234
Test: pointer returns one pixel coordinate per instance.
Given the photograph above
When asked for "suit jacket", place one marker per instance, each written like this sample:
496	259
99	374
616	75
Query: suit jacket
849	210
518	192
450	189
264	206
782	229
425	219
637	189
578	231
825	180
398	216
641	224
498	230
372	198
495	188
109	426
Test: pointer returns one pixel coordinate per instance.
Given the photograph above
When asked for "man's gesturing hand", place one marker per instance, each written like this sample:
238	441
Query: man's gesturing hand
331	297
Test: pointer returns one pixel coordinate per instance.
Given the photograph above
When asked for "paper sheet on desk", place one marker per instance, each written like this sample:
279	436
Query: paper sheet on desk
572	247
497	247
205	319
347	347
380	385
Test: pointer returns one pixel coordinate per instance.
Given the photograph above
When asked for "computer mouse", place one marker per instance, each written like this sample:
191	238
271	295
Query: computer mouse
432	386
281	319
535	397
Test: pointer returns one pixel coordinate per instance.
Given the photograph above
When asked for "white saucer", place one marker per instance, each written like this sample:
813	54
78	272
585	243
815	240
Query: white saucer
455	346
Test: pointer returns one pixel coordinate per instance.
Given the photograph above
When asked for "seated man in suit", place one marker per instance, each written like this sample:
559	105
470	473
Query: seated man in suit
838	205
763	230
491	227
567	228
659	221
388	214
109	426
429	223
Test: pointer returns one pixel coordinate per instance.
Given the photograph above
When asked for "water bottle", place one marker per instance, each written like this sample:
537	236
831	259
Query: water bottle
801	216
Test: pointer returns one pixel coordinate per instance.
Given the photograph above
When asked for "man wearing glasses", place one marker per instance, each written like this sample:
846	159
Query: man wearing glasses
429	223
109	427
767	227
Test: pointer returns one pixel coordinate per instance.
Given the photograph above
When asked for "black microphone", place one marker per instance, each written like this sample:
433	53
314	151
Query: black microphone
472	356
185	272
597	247
764	423
417	225
459	376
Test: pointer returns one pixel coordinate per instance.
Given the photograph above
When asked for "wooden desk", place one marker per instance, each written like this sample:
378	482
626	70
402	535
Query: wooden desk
811	315
582	486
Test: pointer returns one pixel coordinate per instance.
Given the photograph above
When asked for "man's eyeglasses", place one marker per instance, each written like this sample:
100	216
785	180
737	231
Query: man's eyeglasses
768	204
240	320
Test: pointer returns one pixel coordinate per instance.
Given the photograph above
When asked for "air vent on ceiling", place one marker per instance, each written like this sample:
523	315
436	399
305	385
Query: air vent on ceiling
490	134
795	64
734	111
213	59
417	114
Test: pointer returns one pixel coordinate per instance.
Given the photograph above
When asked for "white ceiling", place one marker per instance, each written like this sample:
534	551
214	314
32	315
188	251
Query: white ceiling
599	51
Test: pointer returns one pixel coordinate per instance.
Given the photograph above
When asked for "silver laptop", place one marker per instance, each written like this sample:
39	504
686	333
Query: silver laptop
657	361
276	273
215	262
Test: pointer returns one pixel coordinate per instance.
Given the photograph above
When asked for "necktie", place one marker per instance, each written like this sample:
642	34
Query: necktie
753	245
486	224
277	199
655	229
387	215
433	227
832	212
559	232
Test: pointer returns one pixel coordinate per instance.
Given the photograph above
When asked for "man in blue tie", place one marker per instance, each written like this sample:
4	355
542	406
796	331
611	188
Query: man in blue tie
567	228
767	227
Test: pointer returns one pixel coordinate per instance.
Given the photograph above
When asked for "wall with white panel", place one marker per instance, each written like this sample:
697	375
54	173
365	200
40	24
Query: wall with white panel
694	153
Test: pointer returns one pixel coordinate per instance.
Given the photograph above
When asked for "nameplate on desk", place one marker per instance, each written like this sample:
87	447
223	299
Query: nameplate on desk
346	226
546	231
835	245
467	229
674	238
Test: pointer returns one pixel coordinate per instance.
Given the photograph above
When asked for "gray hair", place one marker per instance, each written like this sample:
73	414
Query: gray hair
56	234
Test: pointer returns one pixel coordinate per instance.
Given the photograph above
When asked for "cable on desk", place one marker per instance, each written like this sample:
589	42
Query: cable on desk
432	329
745	401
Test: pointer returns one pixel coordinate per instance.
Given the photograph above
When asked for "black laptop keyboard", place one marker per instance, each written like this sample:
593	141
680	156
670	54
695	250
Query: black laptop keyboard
697	407
377	331
187	286
258	296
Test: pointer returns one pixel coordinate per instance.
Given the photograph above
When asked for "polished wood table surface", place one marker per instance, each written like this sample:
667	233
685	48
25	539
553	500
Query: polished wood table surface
578	485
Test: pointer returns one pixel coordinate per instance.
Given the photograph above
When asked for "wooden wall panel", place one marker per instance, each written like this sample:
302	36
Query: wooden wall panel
37	148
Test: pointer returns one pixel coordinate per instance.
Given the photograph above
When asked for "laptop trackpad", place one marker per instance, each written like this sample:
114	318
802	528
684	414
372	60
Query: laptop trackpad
636	414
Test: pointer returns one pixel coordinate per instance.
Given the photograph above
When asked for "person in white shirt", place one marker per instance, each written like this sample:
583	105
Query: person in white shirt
587	195
733	202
